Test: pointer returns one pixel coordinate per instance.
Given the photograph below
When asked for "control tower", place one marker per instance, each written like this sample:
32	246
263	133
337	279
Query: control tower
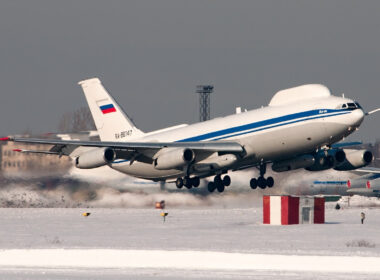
204	101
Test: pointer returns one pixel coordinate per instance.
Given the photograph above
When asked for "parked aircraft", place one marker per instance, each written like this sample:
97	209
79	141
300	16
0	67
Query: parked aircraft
296	130
344	184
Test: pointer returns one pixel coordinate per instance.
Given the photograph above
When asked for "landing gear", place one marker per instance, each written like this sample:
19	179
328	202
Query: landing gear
253	183
270	182
261	182
211	187
226	180
179	183
187	182
195	182
219	183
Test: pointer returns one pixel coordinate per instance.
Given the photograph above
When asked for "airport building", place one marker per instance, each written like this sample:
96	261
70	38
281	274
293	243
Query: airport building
17	164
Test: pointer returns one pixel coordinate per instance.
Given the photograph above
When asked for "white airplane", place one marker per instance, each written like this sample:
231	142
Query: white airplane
344	184
296	130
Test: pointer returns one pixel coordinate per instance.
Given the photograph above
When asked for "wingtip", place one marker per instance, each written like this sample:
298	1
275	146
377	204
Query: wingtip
85	82
5	138
17	150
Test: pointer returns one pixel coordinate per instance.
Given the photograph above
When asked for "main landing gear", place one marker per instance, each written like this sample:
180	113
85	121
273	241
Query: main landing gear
219	183
261	182
188	182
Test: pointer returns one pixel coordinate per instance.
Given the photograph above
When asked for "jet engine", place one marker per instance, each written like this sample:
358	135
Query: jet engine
95	158
215	163
303	161
173	158
355	159
327	159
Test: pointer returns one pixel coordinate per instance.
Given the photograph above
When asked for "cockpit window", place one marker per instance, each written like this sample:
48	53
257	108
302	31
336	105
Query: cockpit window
358	105
351	105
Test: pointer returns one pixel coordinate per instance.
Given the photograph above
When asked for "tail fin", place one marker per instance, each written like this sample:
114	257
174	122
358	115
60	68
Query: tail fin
111	121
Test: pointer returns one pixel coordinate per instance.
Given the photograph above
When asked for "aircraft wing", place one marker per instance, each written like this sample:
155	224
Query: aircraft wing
368	170
66	147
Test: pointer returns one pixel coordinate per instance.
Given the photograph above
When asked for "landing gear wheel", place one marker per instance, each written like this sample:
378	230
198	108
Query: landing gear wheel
179	183
253	183
187	182
226	180
220	187
211	186
270	182
195	182
218	180
261	182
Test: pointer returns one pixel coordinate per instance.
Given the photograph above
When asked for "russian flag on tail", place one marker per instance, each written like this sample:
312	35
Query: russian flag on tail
109	108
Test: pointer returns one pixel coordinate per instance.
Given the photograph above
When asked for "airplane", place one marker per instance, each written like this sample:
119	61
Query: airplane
364	185
299	128
342	184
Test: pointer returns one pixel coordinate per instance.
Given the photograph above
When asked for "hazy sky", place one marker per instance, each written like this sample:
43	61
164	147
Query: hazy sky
151	54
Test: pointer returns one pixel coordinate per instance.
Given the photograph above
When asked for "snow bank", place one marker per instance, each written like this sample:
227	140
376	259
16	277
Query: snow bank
200	260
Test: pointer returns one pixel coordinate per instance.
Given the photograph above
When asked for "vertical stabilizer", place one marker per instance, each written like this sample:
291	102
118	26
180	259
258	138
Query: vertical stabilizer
111	121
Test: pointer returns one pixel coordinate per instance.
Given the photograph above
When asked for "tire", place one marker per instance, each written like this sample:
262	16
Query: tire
218	180
220	187
261	182
253	183
211	187
187	182
195	182
226	180
179	183
270	182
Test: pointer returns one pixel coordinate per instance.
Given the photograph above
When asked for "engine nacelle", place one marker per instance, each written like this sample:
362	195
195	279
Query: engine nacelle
215	163
355	159
172	158
327	159
95	158
303	161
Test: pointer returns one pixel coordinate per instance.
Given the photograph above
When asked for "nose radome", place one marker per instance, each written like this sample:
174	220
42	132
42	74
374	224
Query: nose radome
357	117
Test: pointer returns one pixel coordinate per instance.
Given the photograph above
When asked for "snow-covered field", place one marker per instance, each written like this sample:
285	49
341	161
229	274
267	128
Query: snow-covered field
219	242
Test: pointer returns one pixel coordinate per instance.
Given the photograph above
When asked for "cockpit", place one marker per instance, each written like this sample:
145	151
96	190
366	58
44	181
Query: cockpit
350	106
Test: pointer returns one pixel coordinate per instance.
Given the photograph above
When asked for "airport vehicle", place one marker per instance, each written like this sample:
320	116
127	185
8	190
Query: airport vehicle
296	130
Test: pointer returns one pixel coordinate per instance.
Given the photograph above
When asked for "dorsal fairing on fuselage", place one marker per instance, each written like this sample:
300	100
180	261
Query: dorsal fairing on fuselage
300	93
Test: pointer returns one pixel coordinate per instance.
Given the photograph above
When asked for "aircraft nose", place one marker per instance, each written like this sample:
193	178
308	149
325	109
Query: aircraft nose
357	117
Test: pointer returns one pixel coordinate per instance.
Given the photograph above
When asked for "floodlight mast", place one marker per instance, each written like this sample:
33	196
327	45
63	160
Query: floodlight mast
204	101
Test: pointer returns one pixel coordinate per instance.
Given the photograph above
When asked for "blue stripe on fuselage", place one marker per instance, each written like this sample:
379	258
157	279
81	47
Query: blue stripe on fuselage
330	182
257	126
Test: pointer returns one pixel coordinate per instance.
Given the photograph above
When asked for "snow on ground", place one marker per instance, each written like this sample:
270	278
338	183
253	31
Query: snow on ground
186	260
197	242
217	236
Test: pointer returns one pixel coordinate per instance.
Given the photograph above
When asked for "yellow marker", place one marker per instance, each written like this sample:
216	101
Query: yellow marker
163	215
86	214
